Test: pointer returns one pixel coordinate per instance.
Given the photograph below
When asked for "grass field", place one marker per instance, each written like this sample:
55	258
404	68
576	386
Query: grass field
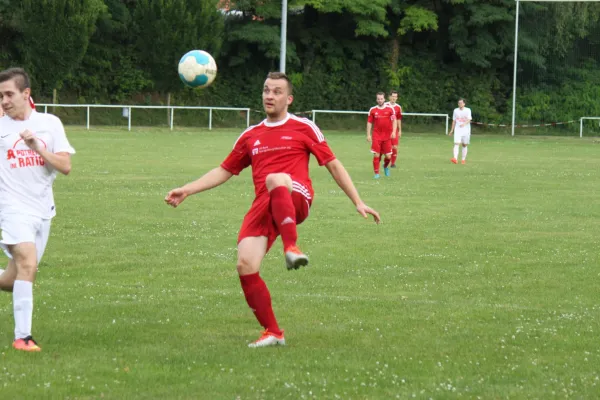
482	282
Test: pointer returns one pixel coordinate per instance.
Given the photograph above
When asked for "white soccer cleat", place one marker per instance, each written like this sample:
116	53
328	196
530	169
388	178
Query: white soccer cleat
294	258
268	339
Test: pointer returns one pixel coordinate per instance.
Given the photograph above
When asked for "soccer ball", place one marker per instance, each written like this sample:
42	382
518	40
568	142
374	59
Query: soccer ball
197	69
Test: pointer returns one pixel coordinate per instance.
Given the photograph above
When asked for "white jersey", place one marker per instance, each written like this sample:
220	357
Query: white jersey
25	179
462	117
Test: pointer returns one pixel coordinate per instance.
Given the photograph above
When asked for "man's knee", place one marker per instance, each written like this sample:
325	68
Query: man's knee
278	179
464	145
246	266
376	155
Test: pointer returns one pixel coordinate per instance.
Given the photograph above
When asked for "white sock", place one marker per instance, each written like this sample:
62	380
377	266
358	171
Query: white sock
23	308
464	152
455	151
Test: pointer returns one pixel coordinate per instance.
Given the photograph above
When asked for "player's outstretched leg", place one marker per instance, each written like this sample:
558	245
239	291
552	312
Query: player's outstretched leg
251	251
394	156
284	216
464	154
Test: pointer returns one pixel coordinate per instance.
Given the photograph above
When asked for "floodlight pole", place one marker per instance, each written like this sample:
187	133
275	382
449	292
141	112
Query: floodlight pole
283	35
514	100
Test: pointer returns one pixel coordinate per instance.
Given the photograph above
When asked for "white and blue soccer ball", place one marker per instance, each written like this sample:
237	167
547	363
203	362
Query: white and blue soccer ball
197	69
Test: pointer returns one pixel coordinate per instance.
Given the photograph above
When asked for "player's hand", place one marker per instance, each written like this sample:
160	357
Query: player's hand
450	133
365	210
30	140
369	139
393	136
175	197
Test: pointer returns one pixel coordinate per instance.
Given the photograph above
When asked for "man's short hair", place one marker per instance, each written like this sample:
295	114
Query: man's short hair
282	75
393	92
380	94
19	75
463	100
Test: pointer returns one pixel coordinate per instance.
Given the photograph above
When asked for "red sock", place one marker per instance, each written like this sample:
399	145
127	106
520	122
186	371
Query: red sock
284	215
259	299
376	162
394	156
386	163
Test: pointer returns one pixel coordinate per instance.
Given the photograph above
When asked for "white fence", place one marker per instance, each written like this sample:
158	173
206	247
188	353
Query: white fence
129	108
314	115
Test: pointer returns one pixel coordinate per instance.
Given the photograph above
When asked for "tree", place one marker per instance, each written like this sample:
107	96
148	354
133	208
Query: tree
53	37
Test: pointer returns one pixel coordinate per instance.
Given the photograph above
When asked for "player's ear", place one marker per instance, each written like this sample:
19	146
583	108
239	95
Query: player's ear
27	93
290	99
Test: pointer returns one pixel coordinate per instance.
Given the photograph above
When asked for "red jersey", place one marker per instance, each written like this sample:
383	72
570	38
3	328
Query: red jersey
273	147
383	119
397	109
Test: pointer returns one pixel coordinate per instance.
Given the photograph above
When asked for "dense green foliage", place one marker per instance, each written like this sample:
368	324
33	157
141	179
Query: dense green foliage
339	52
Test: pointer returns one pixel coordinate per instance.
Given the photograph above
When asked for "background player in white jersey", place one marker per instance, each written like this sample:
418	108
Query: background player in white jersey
33	148
461	127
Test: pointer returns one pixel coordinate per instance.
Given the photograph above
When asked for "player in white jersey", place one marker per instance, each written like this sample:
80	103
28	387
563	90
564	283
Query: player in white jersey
461	127
33	149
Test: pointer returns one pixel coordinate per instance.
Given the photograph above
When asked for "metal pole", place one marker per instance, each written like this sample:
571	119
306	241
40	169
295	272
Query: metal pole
581	128
210	119
283	35
88	118
172	113
514	101
314	113
248	118
45	109
129	119
447	123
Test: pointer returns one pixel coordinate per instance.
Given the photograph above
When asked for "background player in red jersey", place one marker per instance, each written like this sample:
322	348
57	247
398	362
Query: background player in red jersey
278	149
383	122
398	112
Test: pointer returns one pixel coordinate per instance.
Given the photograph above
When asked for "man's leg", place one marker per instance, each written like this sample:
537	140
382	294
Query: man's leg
394	155
376	164
283	212
7	278
455	153
464	153
25	259
251	251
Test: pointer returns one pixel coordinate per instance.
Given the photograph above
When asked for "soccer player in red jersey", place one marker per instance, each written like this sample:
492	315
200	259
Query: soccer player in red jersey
398	113
278	149
383	122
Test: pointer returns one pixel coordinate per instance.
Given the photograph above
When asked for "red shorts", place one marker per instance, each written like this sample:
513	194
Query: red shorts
381	146
259	221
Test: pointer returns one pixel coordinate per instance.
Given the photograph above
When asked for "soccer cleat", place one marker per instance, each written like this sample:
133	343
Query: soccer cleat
463	162
453	161
386	171
268	339
294	258
26	344
393	166
376	176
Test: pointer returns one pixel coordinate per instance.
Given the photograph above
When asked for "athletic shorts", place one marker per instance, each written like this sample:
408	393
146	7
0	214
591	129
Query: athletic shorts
381	146
20	228
259	221
462	138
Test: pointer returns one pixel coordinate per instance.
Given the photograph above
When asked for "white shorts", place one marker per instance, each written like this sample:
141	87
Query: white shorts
464	138
19	228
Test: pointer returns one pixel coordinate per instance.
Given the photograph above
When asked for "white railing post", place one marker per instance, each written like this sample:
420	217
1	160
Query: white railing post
447	120
172	114
314	117
210	119
45	109
581	127
129	119
248	118
87	123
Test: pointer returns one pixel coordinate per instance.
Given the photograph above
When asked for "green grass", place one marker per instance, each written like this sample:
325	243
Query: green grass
482	282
